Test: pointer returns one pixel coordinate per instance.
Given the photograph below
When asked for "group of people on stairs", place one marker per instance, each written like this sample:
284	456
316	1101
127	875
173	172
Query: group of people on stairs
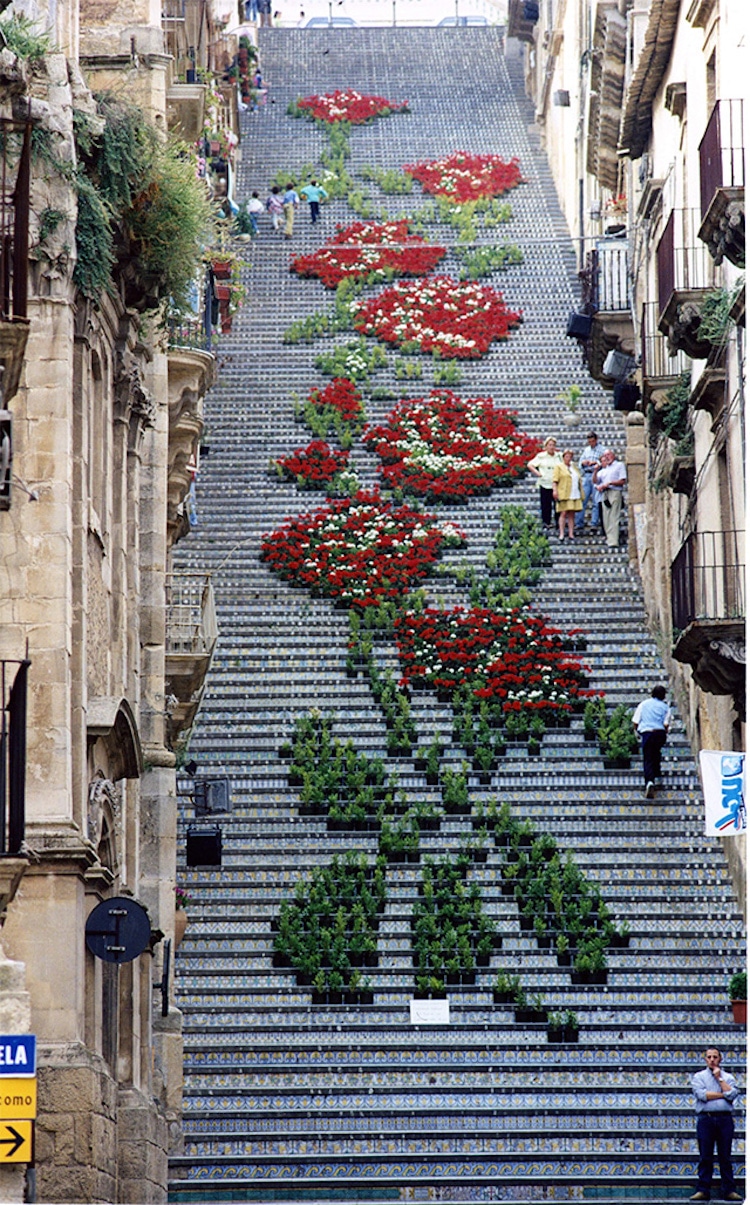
598	477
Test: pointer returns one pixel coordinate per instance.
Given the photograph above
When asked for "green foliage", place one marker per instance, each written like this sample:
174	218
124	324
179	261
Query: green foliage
737	987
95	256
594	714
169	221
715	320
23	38
407	369
394	183
330	928
333	778
355	360
482	261
515	561
49	220
449	925
617	735
448	374
674	416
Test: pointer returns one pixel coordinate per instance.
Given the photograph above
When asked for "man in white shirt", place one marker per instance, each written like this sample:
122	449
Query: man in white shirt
609	482
715	1092
651	720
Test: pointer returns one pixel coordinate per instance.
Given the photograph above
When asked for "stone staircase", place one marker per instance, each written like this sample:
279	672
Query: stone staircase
286	1100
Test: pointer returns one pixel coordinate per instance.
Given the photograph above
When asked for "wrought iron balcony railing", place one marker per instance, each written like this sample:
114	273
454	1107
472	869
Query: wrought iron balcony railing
15	175
658	362
683	262
722	151
191	615
708	579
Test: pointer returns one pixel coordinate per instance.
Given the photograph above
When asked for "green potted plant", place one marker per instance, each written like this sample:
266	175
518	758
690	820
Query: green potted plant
571	398
738	997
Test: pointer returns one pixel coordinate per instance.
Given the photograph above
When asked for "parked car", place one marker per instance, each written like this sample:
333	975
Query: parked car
464	21
325	22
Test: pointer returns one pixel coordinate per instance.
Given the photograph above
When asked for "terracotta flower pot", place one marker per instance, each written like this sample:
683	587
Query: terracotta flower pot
180	925
739	1012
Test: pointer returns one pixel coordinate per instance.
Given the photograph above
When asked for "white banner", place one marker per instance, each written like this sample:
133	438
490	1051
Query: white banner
723	777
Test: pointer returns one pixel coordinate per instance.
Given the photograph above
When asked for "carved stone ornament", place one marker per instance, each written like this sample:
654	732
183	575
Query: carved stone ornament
103	793
134	404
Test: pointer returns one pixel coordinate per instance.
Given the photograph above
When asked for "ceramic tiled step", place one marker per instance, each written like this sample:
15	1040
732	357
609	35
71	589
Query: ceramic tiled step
281	652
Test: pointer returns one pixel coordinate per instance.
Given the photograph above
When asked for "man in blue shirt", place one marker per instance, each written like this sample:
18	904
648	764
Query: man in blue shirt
715	1092
651	720
589	461
314	193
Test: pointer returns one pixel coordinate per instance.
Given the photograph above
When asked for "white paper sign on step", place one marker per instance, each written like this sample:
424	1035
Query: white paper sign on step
430	1012
723	775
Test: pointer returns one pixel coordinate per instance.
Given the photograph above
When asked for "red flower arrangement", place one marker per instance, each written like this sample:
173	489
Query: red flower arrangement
448	318
341	398
514	657
446	447
462	177
313	466
359	550
349	105
367	249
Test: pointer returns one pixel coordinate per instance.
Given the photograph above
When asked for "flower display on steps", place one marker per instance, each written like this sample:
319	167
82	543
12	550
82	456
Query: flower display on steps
358	550
463	177
449	448
314	467
371	250
347	104
447	318
338	407
515	657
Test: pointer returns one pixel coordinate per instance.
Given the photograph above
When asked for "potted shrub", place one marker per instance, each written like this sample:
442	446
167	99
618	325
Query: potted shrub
738	997
555	1027
531	1012
571	397
570	1026
181	898
506	989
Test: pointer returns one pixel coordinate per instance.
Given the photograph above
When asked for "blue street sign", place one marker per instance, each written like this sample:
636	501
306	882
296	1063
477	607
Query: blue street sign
18	1054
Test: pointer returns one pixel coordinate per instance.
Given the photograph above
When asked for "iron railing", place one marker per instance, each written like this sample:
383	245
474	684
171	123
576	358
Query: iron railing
15	177
191	614
683	262
13	690
658	363
708	578
722	151
605	286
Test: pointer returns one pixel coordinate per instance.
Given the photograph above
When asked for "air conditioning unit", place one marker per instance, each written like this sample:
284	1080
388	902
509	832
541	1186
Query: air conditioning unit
211	795
561	98
530	10
579	325
626	396
619	365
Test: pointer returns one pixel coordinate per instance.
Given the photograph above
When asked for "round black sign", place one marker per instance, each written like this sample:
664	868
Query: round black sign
118	930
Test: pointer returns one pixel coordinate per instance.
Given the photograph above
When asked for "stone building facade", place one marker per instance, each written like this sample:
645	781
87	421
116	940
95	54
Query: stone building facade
640	105
105	418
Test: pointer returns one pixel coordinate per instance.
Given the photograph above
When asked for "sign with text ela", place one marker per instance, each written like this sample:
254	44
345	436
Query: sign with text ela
18	1099
723	776
16	1141
18	1054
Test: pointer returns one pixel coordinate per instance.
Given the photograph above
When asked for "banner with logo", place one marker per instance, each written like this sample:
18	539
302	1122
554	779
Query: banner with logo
723	777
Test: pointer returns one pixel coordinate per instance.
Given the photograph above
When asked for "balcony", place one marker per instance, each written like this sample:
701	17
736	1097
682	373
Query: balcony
521	20
191	638
722	168
605	94
15	171
708	611
605	294
661	368
190	375
685	273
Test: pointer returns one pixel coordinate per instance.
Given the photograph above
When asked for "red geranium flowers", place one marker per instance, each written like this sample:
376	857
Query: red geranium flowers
514	657
360	550
313	466
449	448
367	249
448	318
349	105
462	177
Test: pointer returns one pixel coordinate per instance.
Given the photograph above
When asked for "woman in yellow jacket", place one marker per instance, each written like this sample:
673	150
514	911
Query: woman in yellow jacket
567	492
